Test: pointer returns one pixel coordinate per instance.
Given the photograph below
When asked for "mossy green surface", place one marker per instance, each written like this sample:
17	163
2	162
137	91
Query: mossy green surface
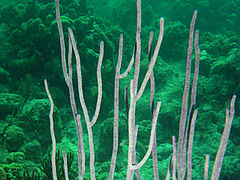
30	52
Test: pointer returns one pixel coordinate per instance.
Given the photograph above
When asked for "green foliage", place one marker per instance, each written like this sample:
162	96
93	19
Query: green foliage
14	138
34	175
3	175
46	165
27	87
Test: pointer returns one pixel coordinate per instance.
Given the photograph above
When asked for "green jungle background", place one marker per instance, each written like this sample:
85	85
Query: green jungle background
30	52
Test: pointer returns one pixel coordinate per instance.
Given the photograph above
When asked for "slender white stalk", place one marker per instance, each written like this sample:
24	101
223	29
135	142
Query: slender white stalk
116	110
181	152
174	161
190	145
148	153
54	171
99	79
65	165
206	167
153	60
224	140
62	43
